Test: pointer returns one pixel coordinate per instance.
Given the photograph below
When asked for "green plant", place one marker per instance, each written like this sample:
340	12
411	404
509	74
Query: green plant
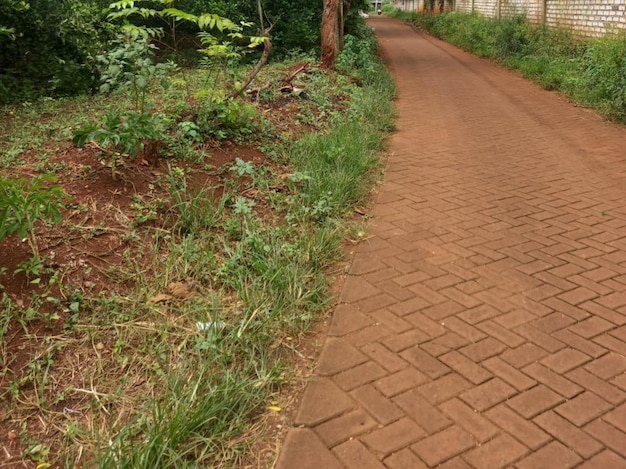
146	209
32	268
243	206
605	75
161	380
356	58
7	310
130	66
220	37
190	131
122	134
49	48
194	211
513	36
24	202
242	168
226	118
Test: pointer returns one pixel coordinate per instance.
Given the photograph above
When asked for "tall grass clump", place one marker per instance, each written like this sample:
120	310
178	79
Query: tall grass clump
339	164
604	74
589	71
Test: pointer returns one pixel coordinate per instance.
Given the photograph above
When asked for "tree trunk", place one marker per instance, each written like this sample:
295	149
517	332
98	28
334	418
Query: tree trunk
345	9
347	4
329	33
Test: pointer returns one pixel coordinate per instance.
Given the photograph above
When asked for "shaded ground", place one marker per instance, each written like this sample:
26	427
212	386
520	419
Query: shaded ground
483	323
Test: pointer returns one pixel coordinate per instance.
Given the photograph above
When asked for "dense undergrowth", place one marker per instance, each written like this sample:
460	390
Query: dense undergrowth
50	48
141	379
589	71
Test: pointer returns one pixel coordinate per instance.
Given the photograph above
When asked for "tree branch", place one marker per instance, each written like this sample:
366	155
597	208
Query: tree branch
267	47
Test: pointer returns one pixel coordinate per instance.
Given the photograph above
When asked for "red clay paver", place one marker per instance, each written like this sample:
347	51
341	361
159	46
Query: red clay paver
483	322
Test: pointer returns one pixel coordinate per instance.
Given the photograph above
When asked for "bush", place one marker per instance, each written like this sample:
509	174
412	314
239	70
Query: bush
24	202
513	36
227	119
51	48
356	57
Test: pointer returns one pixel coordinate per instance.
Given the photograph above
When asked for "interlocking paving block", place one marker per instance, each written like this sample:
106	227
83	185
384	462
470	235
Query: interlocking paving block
483	321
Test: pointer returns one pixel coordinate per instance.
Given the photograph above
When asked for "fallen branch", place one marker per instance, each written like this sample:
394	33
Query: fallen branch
267	47
289	78
285	84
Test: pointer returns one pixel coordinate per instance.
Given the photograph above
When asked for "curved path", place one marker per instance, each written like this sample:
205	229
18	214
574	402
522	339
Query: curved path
483	324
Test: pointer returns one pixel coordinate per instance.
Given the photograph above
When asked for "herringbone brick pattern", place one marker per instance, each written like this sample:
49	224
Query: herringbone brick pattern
483	324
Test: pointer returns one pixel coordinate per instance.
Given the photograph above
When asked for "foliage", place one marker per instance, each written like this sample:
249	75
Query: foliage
356	57
122	134
296	23
225	118
25	201
184	382
48	47
220	37
339	165
604	65
272	284
130	66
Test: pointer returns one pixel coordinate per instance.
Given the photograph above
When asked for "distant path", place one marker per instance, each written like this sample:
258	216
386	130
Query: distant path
483	324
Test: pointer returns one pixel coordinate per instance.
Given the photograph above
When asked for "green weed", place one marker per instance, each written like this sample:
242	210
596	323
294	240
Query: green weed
24	201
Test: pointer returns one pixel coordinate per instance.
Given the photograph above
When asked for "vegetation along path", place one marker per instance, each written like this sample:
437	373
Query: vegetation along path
483	323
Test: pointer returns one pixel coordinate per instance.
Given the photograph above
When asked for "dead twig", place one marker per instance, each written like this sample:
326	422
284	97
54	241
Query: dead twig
289	78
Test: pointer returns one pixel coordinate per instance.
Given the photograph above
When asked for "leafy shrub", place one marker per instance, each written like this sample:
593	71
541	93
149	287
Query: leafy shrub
225	118
356	57
513	36
122	134
49	47
24	201
130	66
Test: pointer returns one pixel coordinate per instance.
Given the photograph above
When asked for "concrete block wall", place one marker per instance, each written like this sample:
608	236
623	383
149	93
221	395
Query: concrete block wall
488	8
463	5
588	17
533	9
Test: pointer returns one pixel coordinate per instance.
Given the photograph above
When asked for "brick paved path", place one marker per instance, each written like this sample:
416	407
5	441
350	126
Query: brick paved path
483	325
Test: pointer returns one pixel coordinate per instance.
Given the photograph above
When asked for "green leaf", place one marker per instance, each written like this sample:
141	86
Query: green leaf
179	15
122	4
142	82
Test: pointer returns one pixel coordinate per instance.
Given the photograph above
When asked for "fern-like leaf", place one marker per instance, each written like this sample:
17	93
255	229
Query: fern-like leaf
179	15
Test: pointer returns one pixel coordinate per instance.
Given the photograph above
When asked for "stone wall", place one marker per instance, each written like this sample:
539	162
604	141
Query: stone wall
589	17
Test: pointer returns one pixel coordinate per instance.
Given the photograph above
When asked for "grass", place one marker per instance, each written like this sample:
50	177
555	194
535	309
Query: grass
590	71
174	368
